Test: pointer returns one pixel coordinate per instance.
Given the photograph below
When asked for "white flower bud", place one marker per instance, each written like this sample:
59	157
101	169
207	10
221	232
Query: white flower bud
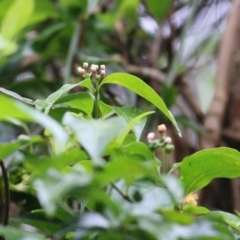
168	140
81	70
85	65
102	73
150	136
93	69
102	67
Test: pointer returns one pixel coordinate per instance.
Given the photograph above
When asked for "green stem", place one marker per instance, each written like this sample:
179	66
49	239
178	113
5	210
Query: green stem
72	51
96	101
164	166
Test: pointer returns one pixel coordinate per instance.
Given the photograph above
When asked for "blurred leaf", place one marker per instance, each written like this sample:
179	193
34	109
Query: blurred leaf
43	10
138	86
127	9
140	149
49	102
53	186
105	109
95	135
198	210
199	169
159	8
82	101
14	109
17	96
130	113
6	46
130	126
13	233
122	165
74	3
230	219
16	18
8	148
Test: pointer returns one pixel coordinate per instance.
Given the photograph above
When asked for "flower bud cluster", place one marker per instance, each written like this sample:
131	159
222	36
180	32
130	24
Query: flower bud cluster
163	142
190	200
95	70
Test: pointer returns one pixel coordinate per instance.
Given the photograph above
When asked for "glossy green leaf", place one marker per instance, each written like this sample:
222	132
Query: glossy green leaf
16	18
82	101
199	169
141	88
50	101
15	109
105	109
140	149
95	135
159	8
130	113
130	126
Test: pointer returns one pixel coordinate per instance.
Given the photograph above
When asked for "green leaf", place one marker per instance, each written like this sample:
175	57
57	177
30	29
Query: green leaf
53	186
230	219
127	9
130	126
15	109
125	166
50	101
14	233
6	46
8	148
17	96
196	210
140	149
130	113
199	169
43	10
95	135
16	18
82	101
105	109
141	88
159	8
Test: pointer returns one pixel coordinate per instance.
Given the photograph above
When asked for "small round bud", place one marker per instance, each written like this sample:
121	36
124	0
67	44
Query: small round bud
102	67
167	140
162	128
169	148
81	70
85	65
151	136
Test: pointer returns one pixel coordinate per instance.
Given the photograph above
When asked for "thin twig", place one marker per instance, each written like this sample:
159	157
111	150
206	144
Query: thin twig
126	197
